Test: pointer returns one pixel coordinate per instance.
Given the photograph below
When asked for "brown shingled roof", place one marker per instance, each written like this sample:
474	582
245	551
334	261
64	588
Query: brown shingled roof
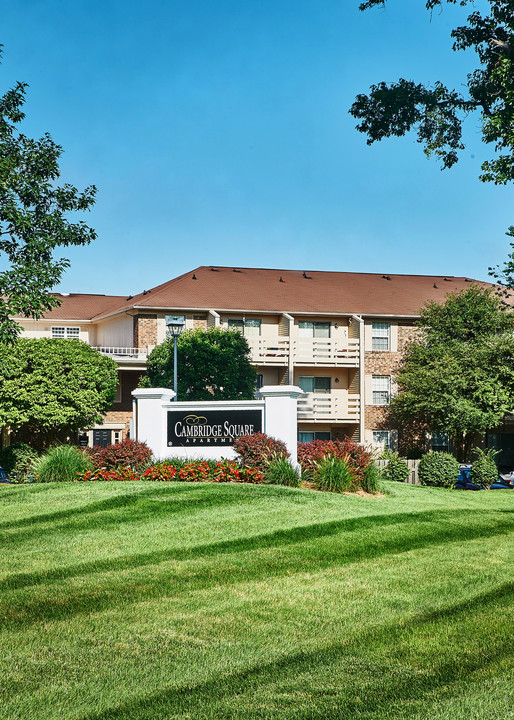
264	290
255	289
77	306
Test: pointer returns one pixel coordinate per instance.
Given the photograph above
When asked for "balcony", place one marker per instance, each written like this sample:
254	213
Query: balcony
269	350
326	352
125	354
306	352
329	407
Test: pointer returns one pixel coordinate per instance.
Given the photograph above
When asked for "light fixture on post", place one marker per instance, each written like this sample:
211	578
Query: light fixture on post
174	326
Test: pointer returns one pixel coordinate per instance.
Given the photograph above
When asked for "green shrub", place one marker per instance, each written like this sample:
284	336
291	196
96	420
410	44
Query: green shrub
372	479
61	464
483	470
439	469
279	471
18	461
396	468
333	474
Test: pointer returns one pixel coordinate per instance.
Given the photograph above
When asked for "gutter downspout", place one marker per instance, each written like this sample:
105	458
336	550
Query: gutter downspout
290	364
134	417
360	320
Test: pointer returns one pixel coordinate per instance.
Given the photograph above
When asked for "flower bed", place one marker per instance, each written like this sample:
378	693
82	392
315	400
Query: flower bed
108	475
193	471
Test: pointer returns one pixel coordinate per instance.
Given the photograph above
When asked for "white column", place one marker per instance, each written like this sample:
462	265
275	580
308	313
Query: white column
280	415
151	419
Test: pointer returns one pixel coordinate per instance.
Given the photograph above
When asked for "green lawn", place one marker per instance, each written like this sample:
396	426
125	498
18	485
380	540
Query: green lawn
144	601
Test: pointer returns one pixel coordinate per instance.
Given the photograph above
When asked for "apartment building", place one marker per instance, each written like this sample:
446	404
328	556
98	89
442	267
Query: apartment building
337	335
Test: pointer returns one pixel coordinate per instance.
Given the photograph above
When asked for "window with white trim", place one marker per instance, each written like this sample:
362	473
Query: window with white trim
314	329
381	389
72	333
249	327
382	437
311	436
314	384
380	336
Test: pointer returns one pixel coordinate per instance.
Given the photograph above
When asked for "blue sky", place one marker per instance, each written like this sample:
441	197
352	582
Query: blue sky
218	133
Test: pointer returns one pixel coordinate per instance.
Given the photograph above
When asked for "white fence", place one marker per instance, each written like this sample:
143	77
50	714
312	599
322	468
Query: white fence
413	478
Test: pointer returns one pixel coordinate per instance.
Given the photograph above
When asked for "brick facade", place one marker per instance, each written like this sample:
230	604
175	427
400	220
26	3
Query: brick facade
122	417
377	417
121	412
145	330
200	321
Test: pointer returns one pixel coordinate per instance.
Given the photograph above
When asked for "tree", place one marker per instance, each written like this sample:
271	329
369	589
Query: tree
438	112
33	218
459	378
52	386
212	364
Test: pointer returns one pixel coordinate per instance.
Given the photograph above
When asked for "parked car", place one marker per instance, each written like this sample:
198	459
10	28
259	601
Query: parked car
4	477
504	482
464	481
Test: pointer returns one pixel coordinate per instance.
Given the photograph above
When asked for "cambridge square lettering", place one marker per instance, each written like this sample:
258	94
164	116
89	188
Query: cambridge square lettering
215	428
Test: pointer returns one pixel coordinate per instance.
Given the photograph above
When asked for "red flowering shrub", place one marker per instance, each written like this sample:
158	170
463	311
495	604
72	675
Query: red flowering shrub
251	475
195	471
255	450
356	457
226	471
160	472
129	453
107	475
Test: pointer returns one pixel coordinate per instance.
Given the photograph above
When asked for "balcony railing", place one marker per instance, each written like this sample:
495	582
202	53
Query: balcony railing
124	353
269	351
275	350
329	407
325	351
305	351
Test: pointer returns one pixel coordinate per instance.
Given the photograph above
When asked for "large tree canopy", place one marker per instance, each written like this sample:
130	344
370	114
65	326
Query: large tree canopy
437	112
34	218
50	386
459	378
212	364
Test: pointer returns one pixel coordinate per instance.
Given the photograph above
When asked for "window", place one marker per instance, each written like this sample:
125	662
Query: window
66	332
380	336
383	437
250	327
308	329
381	388
311	436
259	381
440	442
117	397
310	384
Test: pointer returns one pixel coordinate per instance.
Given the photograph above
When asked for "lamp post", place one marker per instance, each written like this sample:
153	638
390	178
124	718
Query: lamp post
174	325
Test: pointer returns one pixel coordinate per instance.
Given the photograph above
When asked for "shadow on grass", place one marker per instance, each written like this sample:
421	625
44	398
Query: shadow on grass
394	683
275	554
152	502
